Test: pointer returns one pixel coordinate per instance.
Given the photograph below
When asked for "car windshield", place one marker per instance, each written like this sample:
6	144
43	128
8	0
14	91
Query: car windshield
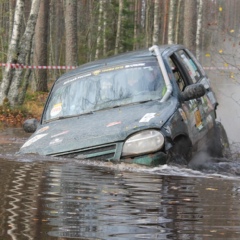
105	88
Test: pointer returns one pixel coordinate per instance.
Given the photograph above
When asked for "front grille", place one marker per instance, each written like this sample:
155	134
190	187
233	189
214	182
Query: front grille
104	152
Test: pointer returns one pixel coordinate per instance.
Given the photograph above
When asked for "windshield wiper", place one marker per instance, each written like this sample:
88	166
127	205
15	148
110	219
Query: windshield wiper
145	101
68	116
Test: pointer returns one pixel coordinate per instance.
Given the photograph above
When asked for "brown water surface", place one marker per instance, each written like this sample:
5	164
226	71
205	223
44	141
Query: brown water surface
50	198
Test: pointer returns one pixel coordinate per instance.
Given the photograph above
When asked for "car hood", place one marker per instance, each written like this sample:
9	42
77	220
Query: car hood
98	128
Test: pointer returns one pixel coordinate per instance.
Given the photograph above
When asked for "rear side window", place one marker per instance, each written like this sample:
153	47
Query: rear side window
192	68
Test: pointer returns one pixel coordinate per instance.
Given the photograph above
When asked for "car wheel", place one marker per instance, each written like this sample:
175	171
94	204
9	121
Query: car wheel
218	145
181	152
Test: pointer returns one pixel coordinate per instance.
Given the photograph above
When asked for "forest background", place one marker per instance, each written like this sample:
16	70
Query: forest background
42	39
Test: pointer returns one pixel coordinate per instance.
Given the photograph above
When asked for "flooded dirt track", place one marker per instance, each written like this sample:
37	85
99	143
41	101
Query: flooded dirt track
50	198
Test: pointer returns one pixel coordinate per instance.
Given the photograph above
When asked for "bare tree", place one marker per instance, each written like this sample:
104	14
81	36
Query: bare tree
41	46
119	26
189	37
135	32
171	21
24	51
165	21
177	24
90	30
155	39
71	32
147	24
104	28
99	31
11	15
199	28
12	51
56	36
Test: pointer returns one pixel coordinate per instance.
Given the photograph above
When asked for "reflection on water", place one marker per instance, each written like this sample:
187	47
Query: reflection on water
45	198
68	200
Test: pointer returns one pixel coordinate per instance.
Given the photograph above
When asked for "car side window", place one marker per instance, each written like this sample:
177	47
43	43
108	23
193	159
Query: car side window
190	65
181	82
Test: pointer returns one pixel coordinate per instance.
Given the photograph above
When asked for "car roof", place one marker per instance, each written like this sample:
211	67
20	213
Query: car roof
117	59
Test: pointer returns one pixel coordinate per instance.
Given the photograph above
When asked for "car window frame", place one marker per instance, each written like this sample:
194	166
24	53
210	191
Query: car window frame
189	66
181	69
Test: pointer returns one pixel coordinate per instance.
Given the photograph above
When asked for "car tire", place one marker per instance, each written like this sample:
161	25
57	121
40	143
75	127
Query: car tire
181	152
218	145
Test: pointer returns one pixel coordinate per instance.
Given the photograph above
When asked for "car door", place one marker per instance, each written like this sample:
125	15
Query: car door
198	114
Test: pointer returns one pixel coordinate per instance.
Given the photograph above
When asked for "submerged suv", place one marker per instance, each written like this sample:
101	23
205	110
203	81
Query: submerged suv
146	107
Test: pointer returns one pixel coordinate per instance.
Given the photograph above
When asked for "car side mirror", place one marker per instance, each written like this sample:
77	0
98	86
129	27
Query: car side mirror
30	125
193	91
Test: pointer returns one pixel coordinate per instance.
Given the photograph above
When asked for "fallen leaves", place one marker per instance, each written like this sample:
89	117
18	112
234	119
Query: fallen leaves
13	117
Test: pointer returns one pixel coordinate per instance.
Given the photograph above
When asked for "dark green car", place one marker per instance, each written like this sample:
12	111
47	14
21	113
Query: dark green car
147	107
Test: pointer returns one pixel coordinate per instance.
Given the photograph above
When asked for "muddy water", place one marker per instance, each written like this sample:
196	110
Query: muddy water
49	198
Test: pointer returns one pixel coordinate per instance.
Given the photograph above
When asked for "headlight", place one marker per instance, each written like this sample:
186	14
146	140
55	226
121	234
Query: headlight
143	142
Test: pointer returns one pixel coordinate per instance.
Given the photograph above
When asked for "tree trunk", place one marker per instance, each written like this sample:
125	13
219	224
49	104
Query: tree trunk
147	28
135	35
199	28
11	15
99	31
171	15
165	22
25	83
89	31
71	32
55	35
24	50
189	36
104	29
156	23
177	24
119	26
12	51
41	46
